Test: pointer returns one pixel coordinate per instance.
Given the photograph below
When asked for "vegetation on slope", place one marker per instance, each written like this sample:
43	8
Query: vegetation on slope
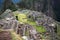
15	36
22	18
38	28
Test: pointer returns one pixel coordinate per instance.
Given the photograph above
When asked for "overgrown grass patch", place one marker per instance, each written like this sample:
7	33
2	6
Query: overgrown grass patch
38	28
31	22
15	36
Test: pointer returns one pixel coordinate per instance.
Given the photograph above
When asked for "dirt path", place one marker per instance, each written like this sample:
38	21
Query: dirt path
5	35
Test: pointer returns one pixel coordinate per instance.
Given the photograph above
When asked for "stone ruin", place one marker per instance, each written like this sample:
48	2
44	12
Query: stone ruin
8	20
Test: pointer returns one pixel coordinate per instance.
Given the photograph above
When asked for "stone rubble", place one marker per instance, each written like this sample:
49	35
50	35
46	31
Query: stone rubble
10	22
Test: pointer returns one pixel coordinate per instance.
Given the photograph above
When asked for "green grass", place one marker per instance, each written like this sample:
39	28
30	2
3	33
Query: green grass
33	23
38	28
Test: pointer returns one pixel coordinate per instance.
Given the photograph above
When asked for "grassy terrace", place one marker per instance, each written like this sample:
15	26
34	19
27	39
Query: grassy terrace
23	18
38	28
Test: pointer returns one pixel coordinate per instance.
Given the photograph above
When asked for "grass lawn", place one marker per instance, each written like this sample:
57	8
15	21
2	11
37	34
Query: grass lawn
38	28
23	18
31	22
